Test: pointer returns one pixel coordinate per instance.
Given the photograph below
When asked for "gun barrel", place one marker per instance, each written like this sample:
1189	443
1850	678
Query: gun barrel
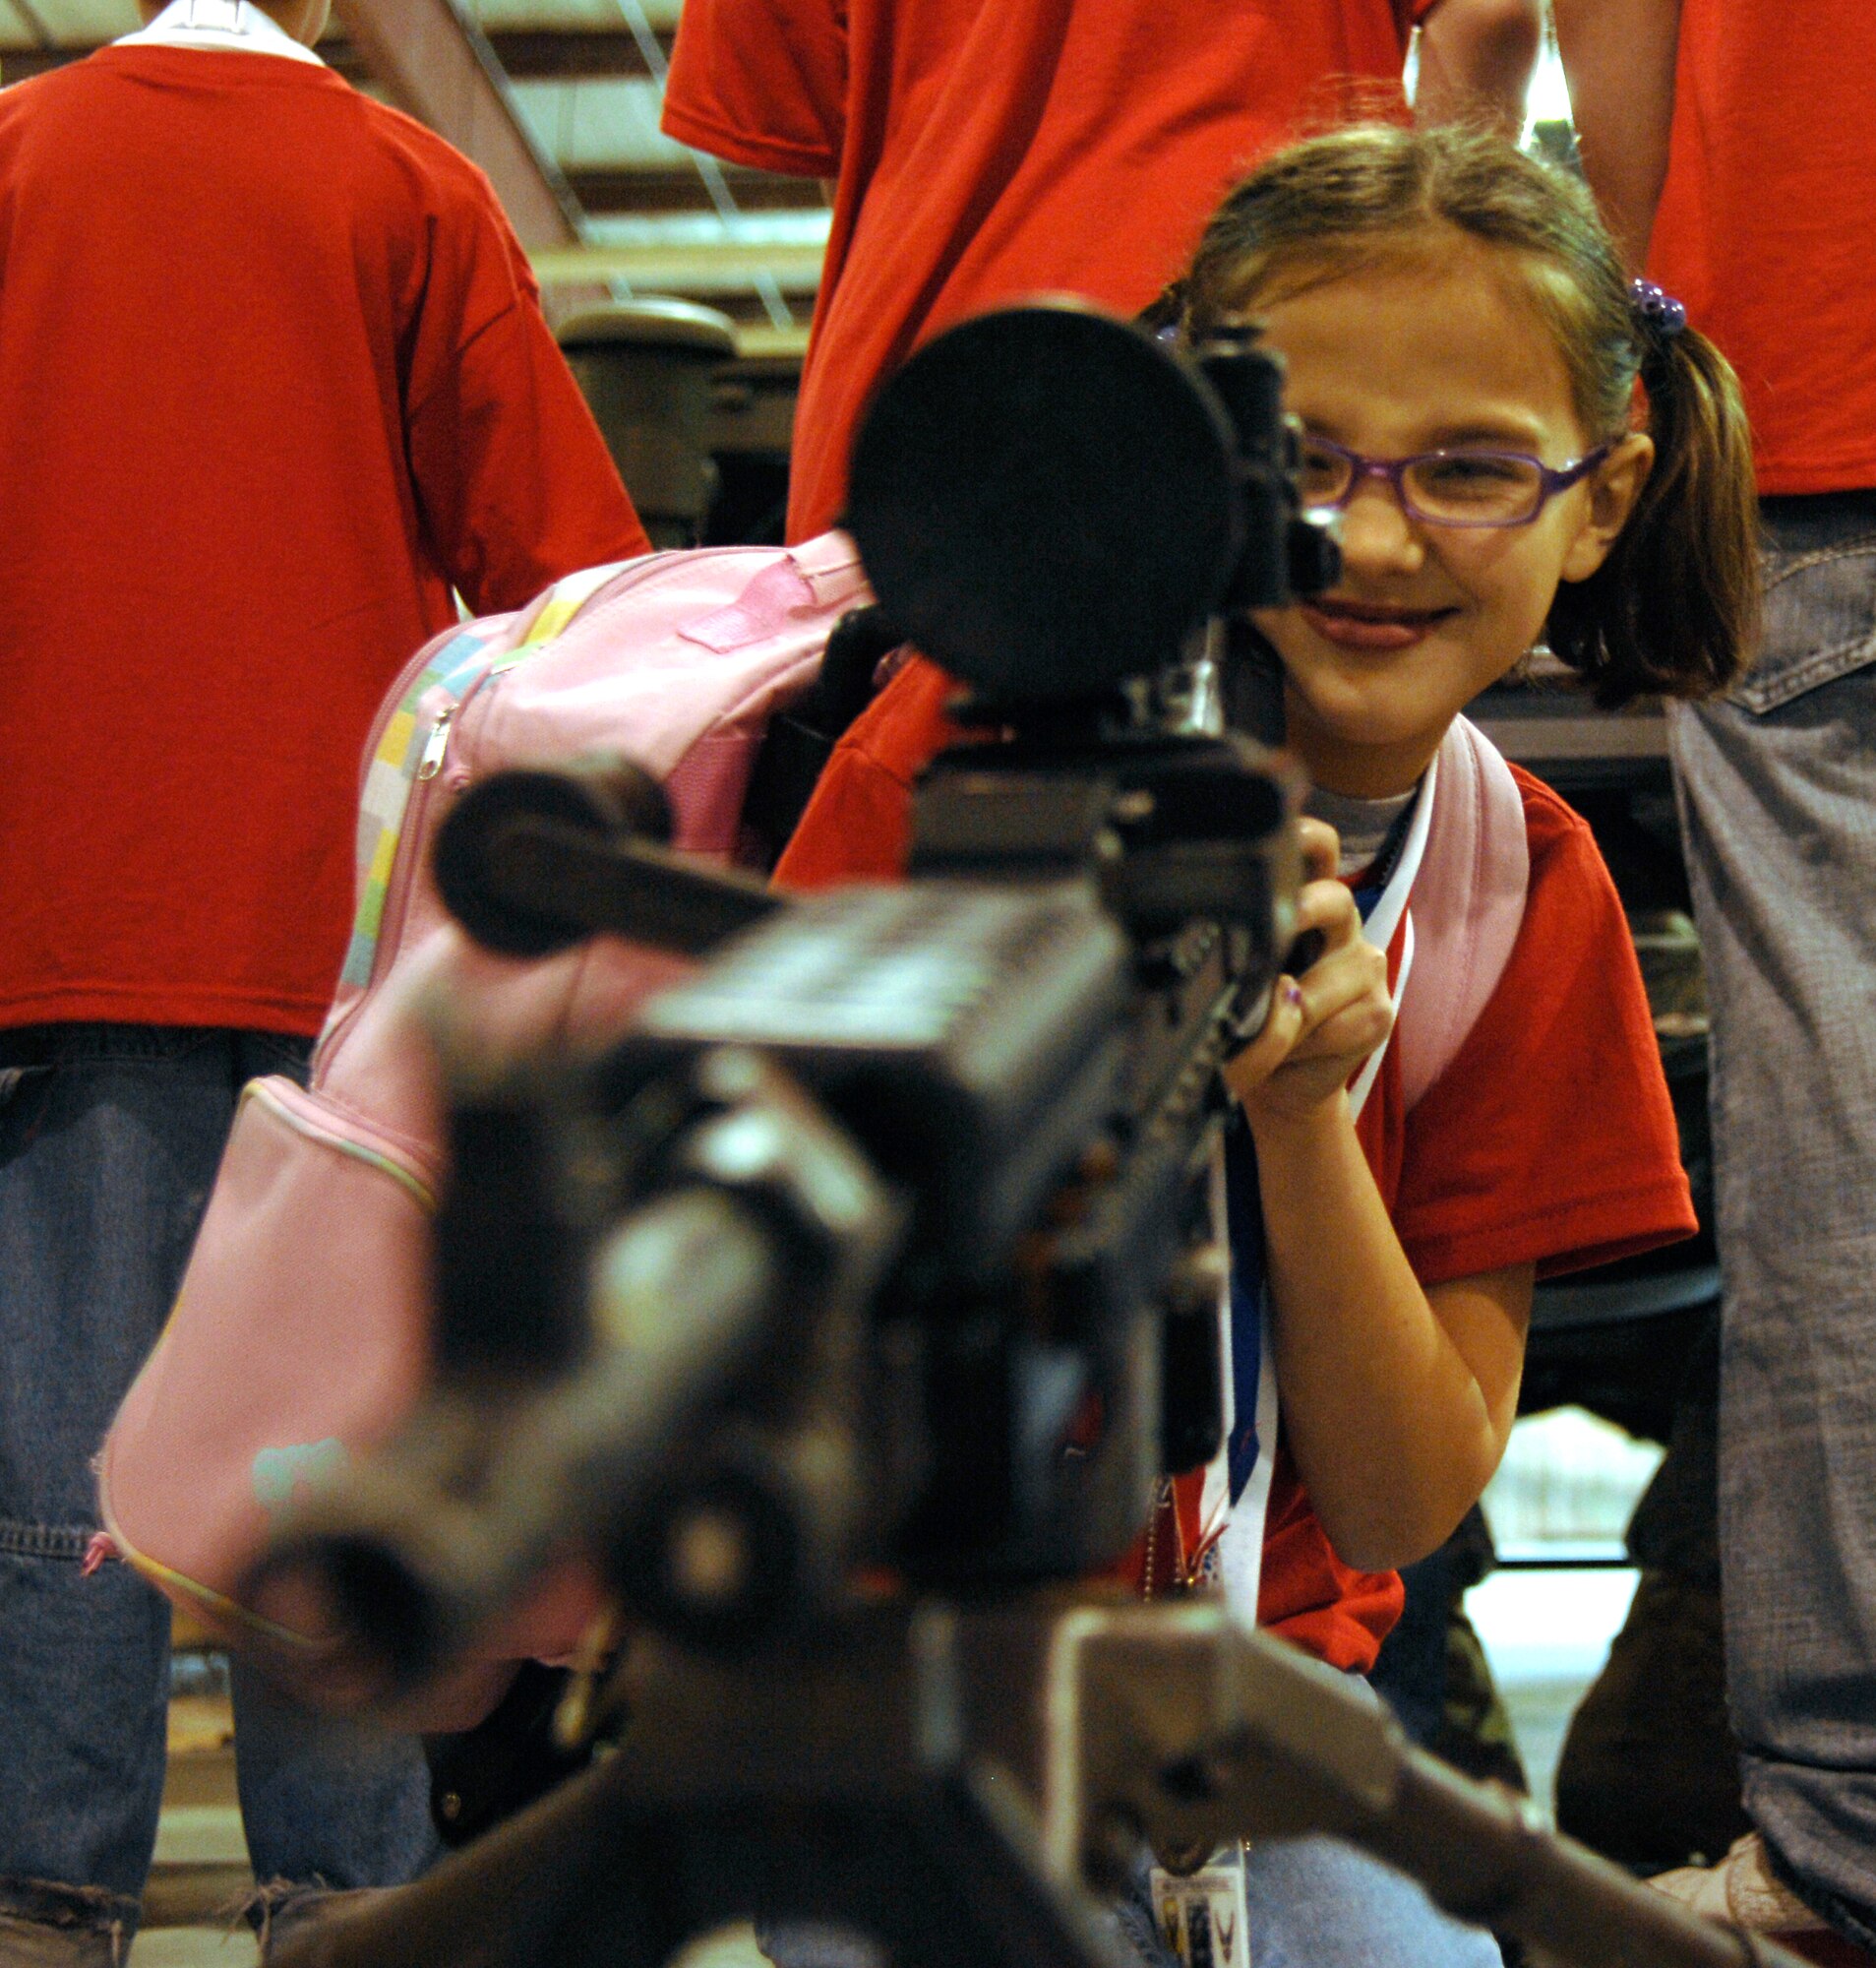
397	1568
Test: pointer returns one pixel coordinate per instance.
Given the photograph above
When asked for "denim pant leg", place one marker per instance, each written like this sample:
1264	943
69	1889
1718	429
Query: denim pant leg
106	1156
1309	1903
1778	790
1319	1903
325	1803
106	1159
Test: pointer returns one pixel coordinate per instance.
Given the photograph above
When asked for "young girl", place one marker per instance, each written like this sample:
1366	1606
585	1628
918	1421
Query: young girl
1462	348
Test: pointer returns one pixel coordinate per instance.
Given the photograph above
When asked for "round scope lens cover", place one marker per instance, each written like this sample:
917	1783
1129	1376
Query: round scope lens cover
1044	497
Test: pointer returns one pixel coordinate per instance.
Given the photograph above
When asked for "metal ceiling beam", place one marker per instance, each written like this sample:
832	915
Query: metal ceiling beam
436	62
678	187
572	54
554	55
34	21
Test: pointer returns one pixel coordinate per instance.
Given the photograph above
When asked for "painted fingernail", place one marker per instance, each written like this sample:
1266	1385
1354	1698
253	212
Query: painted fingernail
1292	992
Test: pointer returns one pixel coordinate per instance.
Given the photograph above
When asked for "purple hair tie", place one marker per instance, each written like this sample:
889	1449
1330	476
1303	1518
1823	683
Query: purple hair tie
1658	312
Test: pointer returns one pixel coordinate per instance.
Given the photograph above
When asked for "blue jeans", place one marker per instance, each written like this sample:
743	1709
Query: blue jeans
1309	1903
107	1150
1318	1903
1778	792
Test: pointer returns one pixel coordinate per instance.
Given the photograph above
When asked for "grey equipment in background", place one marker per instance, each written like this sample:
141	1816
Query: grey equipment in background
647	369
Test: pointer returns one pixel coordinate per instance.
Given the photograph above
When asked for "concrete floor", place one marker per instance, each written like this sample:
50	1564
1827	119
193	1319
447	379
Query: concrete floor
192	1948
1546	1635
201	1875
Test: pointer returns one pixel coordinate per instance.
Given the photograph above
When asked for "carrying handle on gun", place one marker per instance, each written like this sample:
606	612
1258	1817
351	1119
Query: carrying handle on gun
531	861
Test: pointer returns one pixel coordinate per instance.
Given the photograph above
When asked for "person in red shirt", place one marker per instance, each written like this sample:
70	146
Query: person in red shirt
978	154
1732	148
1462	348
274	381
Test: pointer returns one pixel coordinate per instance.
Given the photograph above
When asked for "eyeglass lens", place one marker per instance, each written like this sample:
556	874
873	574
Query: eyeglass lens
1474	487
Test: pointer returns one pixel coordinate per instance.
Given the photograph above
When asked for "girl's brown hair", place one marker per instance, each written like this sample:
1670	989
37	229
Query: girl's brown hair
1675	607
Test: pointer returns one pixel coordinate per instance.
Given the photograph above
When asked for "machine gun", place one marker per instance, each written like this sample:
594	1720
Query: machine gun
861	1299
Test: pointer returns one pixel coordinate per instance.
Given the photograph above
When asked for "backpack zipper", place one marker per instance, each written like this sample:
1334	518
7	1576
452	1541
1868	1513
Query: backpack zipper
397	692
438	743
409	831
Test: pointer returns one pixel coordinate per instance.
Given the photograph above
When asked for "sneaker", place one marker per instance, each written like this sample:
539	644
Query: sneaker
1649	1773
1745	1890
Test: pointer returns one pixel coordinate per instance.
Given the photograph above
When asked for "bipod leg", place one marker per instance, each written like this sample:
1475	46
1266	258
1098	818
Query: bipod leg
1176	1720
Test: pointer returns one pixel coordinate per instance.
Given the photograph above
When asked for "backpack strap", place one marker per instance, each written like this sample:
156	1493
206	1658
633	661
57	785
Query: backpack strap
1456	900
1468	904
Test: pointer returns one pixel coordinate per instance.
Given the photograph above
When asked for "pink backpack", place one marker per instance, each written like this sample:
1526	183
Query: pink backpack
302	1328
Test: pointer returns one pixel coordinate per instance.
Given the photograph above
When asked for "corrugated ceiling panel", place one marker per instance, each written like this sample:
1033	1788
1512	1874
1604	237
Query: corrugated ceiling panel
587	125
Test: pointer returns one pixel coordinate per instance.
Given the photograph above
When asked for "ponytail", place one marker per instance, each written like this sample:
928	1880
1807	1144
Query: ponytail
1674	608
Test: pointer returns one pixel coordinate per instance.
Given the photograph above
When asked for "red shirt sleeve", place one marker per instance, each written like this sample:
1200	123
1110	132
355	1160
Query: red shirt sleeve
762	83
1551	1139
857	824
1306	1594
517	485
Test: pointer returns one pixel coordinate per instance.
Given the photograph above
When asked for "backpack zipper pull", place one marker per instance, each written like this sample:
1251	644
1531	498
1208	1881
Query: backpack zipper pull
435	745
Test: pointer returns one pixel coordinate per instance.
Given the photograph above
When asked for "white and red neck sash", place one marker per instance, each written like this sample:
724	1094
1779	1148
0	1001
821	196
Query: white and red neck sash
1447	918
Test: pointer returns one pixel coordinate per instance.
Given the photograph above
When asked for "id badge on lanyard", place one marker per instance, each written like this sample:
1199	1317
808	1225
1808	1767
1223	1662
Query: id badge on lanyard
1203	1917
1237	1490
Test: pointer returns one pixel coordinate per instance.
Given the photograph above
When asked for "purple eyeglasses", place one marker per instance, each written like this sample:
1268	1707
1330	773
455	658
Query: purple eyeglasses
1442	488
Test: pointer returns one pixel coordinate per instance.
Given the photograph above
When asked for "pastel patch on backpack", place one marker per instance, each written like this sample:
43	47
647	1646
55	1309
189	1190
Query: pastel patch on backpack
278	1472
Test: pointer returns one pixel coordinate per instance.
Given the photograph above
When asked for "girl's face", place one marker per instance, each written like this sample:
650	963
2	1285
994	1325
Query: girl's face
1438	352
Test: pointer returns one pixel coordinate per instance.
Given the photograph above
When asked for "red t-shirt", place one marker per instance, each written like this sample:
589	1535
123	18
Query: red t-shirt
1764	224
985	153
1548	1141
275	377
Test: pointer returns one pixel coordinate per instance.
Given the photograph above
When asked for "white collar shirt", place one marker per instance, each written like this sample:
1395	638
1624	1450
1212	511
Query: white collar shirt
225	24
